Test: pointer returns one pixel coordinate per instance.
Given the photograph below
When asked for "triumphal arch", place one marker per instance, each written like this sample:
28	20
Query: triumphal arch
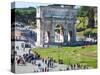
48	17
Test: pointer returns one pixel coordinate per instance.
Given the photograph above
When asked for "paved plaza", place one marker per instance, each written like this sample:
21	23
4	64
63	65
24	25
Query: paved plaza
41	66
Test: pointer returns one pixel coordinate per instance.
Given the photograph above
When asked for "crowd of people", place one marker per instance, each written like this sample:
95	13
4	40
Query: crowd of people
27	58
45	64
76	67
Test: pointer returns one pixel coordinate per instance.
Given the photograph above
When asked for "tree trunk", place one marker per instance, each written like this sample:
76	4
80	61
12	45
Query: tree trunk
91	22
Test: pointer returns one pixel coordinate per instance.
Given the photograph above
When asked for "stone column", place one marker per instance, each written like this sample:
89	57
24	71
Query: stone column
40	33
43	39
52	32
73	36
65	34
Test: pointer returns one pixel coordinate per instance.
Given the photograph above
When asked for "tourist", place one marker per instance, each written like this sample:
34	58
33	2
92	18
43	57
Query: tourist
12	59
67	68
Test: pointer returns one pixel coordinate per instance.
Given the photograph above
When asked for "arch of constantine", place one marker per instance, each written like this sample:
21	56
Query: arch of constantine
48	17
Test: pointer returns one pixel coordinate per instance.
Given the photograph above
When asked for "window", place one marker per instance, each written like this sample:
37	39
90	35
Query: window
12	47
27	46
17	47
22	45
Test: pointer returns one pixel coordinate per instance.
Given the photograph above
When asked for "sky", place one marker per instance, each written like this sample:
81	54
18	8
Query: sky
27	4
20	4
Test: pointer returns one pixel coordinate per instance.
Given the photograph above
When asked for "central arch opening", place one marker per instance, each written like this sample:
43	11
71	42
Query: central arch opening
59	32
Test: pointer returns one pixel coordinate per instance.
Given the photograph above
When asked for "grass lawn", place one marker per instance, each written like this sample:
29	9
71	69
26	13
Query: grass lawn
71	55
